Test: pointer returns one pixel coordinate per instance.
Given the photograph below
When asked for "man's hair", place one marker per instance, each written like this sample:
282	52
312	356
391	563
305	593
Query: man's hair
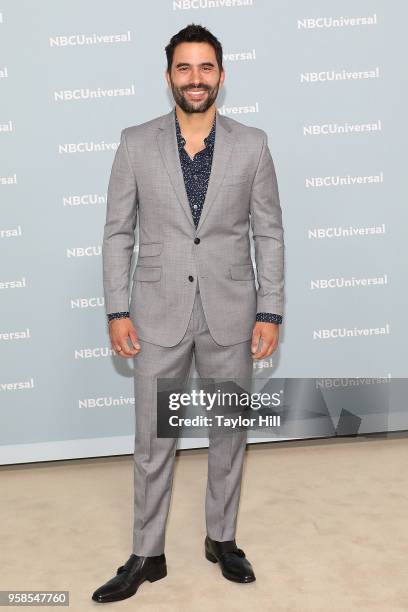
193	33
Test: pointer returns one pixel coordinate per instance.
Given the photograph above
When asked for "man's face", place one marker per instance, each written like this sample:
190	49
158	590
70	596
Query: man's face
195	77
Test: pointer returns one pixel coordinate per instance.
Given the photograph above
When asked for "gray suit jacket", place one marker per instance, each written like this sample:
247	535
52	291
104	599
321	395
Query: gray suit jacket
146	181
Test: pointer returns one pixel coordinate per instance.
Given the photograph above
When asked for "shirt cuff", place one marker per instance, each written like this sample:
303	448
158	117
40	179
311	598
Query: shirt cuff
118	315
269	317
261	316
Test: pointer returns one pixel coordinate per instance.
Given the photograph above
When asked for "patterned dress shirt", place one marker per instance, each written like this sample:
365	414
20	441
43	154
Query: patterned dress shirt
196	173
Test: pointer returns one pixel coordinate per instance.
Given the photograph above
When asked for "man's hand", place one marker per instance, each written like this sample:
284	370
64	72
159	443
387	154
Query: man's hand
119	331
269	333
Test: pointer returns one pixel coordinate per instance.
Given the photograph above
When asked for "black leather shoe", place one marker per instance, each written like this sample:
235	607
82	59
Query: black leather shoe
130	576
234	565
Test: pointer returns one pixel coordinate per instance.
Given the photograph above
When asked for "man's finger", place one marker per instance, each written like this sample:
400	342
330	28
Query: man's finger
126	350
255	340
267	350
261	354
134	339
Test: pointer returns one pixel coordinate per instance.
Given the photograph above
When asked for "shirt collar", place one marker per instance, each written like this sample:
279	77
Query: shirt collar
208	140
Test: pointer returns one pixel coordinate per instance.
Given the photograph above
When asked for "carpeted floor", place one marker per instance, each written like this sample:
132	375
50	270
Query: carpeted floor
323	522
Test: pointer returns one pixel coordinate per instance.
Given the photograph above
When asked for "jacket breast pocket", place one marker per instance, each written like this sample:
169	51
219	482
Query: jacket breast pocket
147	273
242	272
235	179
149	249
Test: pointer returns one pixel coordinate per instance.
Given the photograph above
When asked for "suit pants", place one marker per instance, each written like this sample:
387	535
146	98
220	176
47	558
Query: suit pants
154	457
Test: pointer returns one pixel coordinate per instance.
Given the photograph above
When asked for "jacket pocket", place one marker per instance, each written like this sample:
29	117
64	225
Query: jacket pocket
150	248
242	272
147	273
235	179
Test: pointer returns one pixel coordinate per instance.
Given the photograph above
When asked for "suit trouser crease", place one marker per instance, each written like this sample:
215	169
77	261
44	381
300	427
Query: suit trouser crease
154	458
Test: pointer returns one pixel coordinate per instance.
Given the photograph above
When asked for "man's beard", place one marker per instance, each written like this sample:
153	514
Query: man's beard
191	106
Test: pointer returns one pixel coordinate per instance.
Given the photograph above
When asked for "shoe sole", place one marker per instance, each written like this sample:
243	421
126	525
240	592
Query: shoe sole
151	578
214	559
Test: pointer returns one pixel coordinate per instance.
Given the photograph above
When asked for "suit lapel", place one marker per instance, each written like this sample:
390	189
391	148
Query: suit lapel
223	144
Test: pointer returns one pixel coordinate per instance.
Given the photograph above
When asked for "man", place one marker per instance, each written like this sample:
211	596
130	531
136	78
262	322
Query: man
196	180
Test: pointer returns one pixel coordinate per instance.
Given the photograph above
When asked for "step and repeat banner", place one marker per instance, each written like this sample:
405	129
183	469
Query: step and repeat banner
325	80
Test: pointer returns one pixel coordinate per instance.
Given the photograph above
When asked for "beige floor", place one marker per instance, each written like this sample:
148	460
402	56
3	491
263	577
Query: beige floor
323	522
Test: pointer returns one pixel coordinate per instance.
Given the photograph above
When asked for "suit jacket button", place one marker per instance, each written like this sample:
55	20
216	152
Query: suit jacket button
191	278
196	240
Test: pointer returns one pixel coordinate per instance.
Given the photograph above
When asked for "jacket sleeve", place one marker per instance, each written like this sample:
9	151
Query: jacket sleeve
267	229
119	230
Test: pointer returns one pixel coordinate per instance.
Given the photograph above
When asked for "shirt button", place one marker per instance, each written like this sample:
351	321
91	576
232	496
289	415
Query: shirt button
196	240
191	278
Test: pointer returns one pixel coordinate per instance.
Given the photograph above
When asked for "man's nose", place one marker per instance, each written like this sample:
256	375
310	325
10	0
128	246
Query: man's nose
195	79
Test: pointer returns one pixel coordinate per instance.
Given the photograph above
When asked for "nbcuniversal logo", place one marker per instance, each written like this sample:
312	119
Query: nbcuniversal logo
313	23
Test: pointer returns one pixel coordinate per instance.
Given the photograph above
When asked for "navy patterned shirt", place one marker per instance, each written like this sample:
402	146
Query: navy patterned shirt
196	173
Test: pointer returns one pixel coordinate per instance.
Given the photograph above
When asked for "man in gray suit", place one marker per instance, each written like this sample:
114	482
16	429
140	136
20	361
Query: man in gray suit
197	181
